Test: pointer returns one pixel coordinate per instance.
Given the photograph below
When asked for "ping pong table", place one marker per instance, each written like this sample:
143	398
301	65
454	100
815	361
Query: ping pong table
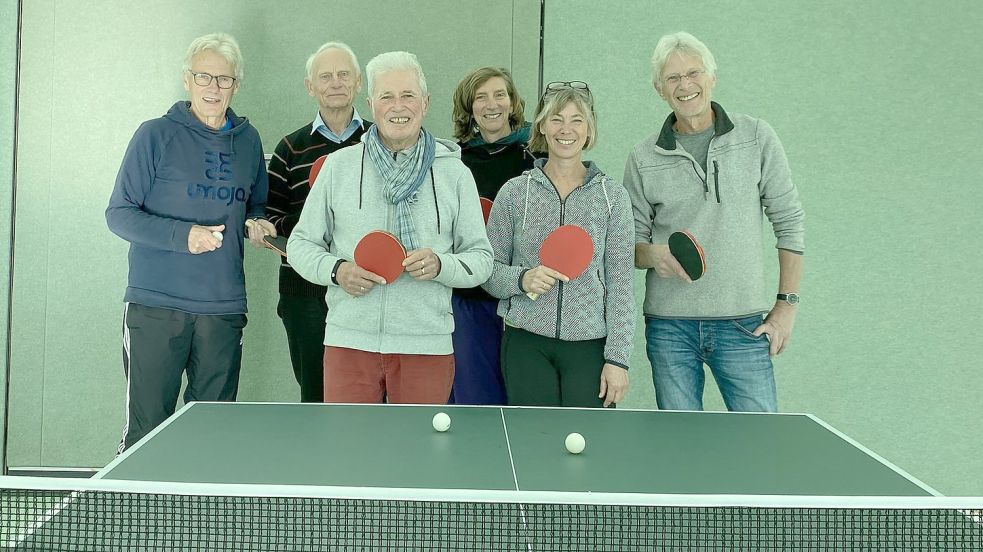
509	449
379	477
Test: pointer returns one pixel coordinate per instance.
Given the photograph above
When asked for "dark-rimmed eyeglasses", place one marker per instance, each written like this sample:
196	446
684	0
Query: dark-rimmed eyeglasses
204	79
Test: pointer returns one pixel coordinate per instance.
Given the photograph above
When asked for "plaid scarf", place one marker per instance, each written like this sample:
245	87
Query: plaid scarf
403	178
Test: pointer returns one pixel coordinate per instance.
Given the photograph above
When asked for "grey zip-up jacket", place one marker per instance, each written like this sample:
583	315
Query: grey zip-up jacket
722	208
600	303
406	316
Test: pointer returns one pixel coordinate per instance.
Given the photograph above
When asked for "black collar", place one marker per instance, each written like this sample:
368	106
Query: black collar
721	125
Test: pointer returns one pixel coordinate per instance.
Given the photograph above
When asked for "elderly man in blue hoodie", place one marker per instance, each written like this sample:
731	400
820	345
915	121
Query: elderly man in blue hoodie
188	182
392	339
713	173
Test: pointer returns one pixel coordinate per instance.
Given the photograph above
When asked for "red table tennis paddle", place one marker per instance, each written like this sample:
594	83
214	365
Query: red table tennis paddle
315	169
486	205
278	243
688	252
567	250
381	253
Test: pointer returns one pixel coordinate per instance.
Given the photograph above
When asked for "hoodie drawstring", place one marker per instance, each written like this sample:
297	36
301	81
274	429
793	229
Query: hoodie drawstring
606	198
525	206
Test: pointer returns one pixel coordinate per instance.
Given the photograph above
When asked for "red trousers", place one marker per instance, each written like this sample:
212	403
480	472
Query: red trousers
353	376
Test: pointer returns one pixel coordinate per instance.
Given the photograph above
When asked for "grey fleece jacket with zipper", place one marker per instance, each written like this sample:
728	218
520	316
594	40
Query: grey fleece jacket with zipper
747	178
598	304
406	316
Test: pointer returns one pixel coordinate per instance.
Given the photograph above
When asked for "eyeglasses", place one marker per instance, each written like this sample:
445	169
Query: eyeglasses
556	86
692	75
204	79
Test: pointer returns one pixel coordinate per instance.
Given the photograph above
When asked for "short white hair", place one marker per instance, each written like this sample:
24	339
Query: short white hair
327	46
220	43
680	42
394	61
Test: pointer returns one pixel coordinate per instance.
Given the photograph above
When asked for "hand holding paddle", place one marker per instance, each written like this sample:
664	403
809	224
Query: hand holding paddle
257	230
381	254
274	242
565	253
422	264
688	252
682	258
539	280
355	280
378	260
666	266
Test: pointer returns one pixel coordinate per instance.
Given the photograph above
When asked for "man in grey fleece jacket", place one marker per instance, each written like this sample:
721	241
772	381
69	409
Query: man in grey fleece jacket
392	339
712	173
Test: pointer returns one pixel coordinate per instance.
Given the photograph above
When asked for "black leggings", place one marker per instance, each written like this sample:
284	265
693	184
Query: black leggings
544	371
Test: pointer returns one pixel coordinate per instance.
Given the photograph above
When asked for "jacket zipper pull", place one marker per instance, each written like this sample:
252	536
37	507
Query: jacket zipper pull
716	182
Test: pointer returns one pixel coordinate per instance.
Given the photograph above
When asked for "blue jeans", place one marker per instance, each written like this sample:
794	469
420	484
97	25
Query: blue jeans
739	362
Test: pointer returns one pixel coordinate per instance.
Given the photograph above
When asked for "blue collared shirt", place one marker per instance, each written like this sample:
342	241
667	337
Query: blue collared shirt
319	126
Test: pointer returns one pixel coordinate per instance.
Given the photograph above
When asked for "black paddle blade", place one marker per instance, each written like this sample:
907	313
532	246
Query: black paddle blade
278	244
688	252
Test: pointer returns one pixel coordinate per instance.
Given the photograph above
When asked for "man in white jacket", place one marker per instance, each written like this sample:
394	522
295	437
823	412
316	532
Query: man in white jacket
392	339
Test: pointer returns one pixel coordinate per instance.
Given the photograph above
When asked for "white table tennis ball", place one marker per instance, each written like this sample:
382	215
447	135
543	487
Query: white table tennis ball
575	443
441	421
218	235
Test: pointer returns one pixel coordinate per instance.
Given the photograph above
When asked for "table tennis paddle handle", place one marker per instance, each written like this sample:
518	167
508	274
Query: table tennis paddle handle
533	295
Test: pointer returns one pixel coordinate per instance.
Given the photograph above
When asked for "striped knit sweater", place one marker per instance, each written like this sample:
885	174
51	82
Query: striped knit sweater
289	170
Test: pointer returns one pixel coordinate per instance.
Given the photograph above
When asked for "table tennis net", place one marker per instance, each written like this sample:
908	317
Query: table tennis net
99	520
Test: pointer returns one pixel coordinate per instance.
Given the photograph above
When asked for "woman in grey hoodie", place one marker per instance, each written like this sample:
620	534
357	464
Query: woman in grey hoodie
571	345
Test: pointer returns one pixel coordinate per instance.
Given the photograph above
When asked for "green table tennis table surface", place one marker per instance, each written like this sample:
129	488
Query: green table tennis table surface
509	449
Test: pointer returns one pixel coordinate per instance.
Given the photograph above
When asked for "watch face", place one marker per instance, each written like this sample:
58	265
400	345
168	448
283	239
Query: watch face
792	298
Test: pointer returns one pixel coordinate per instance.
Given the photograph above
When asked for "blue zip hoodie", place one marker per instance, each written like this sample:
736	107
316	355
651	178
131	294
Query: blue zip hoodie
176	173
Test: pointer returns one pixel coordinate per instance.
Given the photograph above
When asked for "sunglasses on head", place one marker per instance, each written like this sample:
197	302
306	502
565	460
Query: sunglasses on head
556	86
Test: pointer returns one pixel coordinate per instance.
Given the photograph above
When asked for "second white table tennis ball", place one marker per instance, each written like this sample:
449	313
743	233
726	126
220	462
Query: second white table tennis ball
575	443
441	421
218	235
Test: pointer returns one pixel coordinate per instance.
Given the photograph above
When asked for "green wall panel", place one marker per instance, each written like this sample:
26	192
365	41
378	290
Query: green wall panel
878	106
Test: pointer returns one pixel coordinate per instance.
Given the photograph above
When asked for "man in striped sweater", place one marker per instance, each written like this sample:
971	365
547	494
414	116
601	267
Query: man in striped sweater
333	79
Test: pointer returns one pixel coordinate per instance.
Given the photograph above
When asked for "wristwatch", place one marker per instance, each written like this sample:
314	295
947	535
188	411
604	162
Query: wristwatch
790	298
